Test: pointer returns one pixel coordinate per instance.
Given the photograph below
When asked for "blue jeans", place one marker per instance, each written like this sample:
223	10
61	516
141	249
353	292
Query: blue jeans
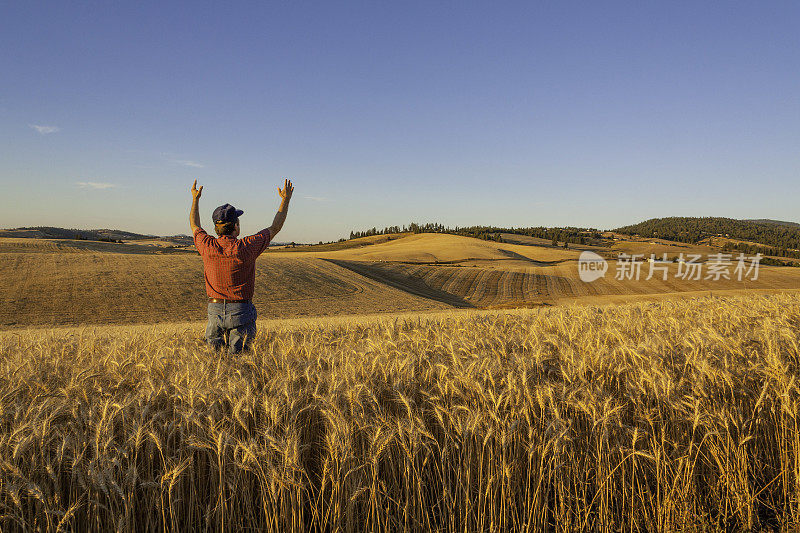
236	321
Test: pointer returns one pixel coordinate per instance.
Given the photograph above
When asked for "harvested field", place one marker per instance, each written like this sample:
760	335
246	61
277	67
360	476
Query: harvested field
61	289
504	283
64	285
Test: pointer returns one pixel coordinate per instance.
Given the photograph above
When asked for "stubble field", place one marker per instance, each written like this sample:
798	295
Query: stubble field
61	283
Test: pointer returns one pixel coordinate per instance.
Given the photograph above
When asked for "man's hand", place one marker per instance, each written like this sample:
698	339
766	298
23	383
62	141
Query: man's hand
195	191
194	212
287	191
280	216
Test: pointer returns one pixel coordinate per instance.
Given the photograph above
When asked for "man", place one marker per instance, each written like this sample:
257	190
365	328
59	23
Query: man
230	270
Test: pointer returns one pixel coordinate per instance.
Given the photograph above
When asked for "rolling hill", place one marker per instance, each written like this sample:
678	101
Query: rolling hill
769	233
96	284
104	235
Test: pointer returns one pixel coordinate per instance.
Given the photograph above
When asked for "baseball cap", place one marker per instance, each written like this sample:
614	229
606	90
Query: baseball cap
226	213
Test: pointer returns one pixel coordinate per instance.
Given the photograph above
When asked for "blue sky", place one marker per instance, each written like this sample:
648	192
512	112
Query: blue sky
515	114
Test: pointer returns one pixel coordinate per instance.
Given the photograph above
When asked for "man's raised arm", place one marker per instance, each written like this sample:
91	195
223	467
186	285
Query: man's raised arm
280	216
194	213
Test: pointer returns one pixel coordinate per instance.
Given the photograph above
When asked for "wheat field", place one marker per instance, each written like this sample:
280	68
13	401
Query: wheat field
662	416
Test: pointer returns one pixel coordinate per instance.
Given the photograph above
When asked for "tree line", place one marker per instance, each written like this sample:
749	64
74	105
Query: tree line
773	238
557	236
752	249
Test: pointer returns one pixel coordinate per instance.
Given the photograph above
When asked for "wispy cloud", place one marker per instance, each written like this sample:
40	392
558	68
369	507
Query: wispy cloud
316	198
95	185
44	130
188	163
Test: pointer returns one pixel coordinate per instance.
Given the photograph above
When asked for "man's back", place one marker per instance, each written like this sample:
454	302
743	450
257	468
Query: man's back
229	263
229	267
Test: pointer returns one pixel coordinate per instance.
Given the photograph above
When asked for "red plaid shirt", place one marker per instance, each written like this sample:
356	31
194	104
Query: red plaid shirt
230	263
